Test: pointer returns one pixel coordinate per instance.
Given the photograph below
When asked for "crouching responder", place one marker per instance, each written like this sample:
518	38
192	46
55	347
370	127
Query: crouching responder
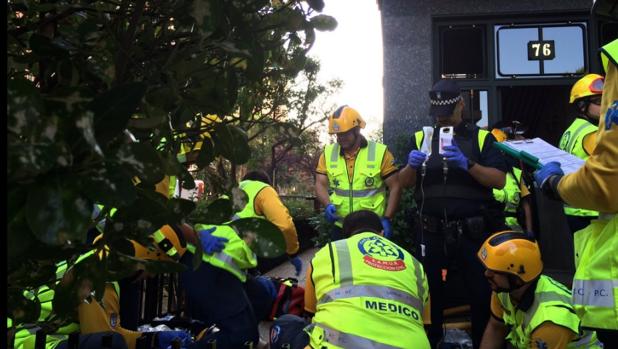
264	202
580	138
365	292
528	309
95	319
593	187
215	289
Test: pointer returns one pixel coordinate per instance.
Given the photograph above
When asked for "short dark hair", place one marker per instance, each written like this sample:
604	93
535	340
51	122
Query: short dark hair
360	222
257	175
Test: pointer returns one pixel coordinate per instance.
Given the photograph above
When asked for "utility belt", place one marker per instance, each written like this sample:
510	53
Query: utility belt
474	228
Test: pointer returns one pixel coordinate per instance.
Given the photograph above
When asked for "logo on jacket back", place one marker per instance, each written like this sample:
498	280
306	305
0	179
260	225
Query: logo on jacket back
381	254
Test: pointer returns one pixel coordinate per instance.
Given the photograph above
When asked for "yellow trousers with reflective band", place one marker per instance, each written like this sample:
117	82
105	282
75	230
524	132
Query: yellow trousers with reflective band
595	285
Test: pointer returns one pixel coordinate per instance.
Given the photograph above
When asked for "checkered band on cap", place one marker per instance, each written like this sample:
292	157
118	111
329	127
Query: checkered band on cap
444	101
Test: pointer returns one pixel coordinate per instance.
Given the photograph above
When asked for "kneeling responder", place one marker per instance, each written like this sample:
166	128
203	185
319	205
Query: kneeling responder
365	292
529	310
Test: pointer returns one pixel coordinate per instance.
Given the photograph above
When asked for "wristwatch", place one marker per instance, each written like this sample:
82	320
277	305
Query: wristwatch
471	163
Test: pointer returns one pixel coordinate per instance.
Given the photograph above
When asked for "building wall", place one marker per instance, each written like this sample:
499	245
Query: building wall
407	40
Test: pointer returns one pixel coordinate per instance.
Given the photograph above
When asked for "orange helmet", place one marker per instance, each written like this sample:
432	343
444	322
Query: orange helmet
512	253
499	134
589	85
165	238
344	119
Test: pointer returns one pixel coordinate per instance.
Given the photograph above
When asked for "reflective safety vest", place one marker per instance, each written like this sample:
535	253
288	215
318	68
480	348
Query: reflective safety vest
510	195
25	337
552	302
376	283
609	52
235	257
595	284
365	190
252	189
572	141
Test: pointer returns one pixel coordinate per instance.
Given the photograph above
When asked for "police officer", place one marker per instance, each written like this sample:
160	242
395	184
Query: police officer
593	187
356	171
529	310
365	292
580	138
453	192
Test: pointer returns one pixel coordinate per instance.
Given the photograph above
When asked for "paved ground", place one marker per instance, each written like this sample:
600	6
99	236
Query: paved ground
285	270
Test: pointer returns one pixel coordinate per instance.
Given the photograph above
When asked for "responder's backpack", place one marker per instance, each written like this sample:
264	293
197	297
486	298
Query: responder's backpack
290	298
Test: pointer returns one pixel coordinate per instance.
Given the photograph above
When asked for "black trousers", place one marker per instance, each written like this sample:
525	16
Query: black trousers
215	296
464	256
94	341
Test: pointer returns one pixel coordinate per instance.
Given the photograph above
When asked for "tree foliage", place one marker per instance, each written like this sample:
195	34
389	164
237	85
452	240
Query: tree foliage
80	73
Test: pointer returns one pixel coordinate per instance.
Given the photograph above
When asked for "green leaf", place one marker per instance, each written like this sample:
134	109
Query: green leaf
267	239
218	212
110	186
113	109
180	208
142	160
206	154
232	143
58	213
21	309
317	5
324	22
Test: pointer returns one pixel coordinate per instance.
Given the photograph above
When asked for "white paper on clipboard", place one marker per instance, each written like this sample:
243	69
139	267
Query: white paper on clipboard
548	153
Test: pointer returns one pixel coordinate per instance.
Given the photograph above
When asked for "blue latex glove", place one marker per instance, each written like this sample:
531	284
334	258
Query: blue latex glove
211	244
416	159
386	225
453	155
548	170
330	213
268	285
298	264
167	337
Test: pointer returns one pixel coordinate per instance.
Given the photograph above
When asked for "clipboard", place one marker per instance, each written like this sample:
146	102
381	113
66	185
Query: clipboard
522	155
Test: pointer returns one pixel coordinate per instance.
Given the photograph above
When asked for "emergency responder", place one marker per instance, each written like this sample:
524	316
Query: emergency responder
580	138
457	210
530	310
593	187
515	195
95	319
356	171
264	202
365	292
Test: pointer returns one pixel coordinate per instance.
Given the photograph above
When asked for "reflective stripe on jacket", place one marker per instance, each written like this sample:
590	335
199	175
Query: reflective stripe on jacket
595	285
375	282
235	257
365	190
552	302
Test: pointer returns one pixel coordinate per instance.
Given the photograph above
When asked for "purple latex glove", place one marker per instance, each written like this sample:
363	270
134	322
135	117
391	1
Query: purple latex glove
454	156
416	159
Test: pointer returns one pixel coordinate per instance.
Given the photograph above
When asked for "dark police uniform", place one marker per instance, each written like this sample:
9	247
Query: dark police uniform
456	214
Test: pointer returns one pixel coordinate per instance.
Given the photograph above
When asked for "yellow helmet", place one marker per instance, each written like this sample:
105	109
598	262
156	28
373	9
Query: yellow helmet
512	253
344	119
173	236
499	134
589	85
